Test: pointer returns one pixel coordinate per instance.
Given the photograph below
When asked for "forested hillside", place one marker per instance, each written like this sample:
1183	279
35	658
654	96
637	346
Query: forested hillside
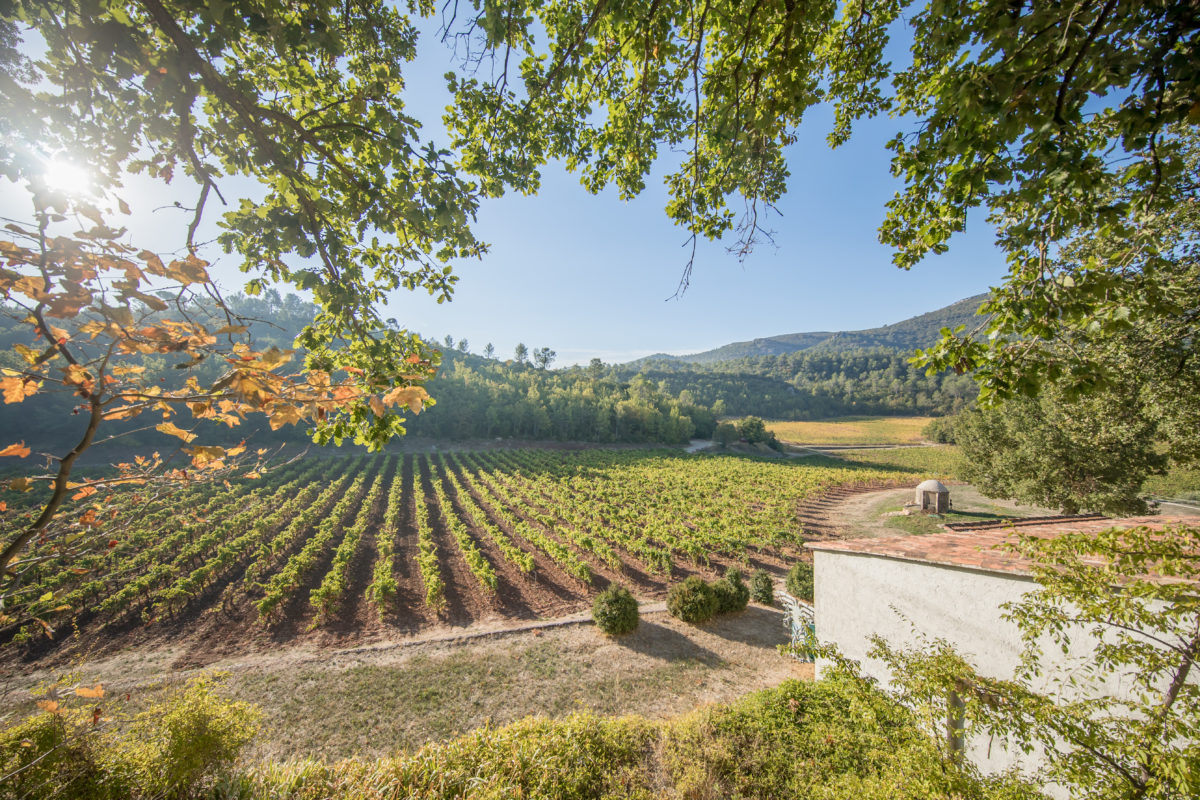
666	401
814	384
906	335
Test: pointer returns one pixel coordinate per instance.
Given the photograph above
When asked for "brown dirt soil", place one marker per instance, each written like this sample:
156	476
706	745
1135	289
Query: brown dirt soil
465	598
558	592
822	517
407	612
519	597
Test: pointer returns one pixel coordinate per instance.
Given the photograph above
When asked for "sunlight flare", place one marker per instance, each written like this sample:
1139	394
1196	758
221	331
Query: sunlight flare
68	177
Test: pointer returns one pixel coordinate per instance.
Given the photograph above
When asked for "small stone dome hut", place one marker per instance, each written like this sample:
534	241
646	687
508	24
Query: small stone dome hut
933	496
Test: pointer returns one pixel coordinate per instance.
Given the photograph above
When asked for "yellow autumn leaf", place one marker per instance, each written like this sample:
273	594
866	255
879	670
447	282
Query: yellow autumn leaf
189	270
78	376
18	450
94	328
274	357
284	415
20	484
412	396
202	455
17	389
124	412
30	355
171	429
94	693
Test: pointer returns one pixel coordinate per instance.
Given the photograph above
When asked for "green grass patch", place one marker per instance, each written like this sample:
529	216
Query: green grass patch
920	524
1178	484
940	461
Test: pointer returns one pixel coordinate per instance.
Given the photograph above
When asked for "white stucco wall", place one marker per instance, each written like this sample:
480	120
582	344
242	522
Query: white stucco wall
859	595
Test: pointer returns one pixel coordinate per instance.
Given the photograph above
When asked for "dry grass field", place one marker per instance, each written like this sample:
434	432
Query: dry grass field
852	430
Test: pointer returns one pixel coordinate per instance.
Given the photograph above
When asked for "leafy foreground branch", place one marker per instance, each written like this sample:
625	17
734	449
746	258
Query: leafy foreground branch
834	738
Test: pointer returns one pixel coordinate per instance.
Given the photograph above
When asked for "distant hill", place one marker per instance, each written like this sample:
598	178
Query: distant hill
909	334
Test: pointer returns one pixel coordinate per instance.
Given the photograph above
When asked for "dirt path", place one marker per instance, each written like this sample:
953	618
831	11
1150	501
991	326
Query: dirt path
852	514
823	517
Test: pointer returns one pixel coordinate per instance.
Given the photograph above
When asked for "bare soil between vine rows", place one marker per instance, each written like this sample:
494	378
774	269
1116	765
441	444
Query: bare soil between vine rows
215	632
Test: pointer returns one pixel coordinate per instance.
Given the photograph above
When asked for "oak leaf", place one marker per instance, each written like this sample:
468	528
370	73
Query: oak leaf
274	357
412	396
17	389
79	376
171	429
124	412
18	450
202	455
284	415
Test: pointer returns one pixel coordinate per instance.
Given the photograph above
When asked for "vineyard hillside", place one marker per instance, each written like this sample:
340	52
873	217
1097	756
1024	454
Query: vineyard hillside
371	546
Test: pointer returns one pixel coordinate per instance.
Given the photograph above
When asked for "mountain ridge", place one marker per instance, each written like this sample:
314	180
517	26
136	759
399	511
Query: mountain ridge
907	334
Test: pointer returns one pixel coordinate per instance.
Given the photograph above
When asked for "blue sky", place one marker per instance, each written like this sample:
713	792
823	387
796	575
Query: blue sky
589	276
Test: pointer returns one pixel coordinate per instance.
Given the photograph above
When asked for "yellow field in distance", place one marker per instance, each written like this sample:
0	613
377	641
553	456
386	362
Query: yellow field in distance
852	430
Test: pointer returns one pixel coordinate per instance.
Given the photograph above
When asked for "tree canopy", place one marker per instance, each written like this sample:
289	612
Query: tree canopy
1041	113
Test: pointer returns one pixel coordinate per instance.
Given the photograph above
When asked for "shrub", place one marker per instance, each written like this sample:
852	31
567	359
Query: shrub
753	430
762	588
172	749
800	581
731	591
940	430
839	737
692	601
725	434
615	611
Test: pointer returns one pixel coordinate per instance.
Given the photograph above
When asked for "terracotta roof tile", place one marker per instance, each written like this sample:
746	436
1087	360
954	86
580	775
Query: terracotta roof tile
976	549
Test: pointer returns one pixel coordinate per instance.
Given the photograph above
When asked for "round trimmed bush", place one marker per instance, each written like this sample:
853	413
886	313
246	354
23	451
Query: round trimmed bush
732	593
800	581
615	611
762	588
692	601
